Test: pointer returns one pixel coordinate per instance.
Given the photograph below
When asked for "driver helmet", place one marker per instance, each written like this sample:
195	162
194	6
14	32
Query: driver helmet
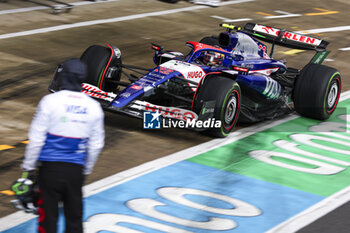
212	58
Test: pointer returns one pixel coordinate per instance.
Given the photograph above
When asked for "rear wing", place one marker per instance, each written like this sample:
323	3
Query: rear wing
284	38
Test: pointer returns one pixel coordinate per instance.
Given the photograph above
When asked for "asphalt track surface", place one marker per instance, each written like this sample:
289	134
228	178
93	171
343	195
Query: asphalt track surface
27	62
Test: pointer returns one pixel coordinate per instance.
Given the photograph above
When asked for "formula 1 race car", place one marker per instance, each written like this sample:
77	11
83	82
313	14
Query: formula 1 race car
229	78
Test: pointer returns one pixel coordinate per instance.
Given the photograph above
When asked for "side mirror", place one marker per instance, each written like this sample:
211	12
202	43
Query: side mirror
156	47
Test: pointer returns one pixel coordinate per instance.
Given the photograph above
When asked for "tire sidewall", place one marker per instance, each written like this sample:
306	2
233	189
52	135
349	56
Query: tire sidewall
311	91
335	79
96	57
221	89
234	92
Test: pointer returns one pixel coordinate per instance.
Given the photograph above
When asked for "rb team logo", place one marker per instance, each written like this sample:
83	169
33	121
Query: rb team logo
151	120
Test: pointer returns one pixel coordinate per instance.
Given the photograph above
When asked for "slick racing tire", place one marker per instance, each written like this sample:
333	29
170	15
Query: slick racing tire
227	96
96	58
210	40
317	91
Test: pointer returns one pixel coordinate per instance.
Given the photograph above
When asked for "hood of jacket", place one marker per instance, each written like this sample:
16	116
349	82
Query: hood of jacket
71	74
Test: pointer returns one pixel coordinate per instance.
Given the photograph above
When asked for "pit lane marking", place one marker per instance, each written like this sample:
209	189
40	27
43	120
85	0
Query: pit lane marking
7	192
36	8
321	30
111	20
263	13
345	49
293	51
284	14
299	29
323	12
227	20
6	147
313	213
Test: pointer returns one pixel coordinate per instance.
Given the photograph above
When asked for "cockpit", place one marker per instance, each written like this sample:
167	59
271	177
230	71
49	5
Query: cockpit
202	54
240	45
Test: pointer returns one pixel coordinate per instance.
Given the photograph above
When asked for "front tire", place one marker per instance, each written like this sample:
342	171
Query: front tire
317	91
96	58
227	96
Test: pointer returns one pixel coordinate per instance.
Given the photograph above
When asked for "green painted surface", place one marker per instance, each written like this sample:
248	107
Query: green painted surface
234	157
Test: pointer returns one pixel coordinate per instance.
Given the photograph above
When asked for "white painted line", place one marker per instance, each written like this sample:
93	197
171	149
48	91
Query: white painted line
111	20
321	30
20	10
328	59
283	12
238	20
232	2
227	20
345	49
313	213
124	176
281	16
83	3
344	96
36	8
284	15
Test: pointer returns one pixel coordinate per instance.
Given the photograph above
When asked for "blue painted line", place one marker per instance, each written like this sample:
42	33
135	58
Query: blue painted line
277	203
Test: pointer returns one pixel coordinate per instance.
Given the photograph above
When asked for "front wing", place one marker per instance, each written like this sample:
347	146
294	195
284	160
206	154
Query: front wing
136	107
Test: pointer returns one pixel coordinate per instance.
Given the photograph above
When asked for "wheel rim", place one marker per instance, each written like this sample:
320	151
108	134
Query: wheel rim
230	112
332	95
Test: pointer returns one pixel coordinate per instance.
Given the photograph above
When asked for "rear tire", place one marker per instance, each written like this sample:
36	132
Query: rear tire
317	91
227	96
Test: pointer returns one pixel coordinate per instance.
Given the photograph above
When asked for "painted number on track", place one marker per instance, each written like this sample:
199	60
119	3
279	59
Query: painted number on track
147	206
328	133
